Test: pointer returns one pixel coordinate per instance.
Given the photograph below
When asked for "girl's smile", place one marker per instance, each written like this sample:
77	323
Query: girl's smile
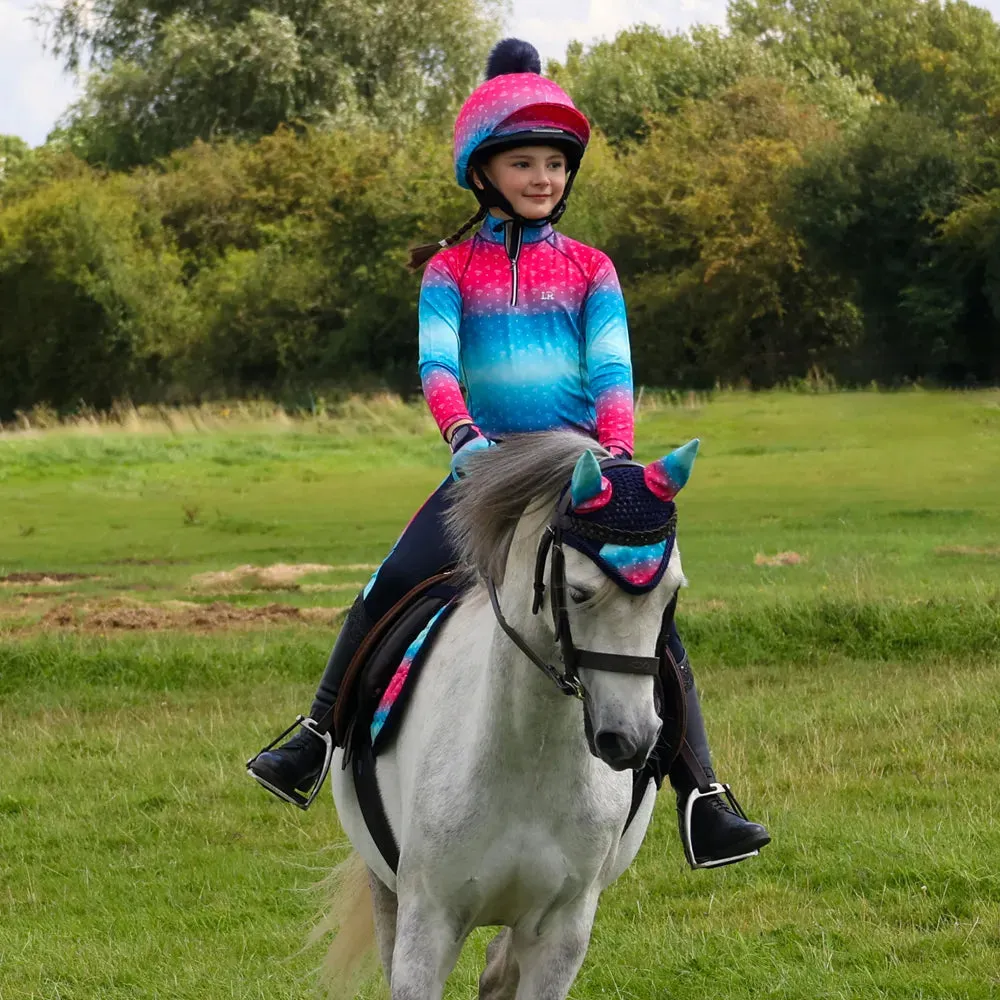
531	178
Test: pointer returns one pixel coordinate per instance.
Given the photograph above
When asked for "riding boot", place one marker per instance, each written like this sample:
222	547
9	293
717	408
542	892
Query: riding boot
295	766
719	833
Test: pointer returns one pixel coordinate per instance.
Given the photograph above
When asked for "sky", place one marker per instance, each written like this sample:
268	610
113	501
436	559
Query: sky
34	91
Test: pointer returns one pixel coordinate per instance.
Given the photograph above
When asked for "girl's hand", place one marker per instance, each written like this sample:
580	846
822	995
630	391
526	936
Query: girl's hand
465	442
462	435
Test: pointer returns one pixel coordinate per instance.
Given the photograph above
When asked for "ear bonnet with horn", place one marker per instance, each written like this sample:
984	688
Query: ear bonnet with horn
622	516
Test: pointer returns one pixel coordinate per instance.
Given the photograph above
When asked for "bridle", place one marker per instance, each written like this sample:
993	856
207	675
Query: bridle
574	658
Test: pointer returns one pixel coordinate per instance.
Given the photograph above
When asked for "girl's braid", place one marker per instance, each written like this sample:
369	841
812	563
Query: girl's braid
423	253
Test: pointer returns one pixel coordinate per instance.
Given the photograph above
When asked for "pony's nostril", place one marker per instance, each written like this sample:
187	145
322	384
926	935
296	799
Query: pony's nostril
614	747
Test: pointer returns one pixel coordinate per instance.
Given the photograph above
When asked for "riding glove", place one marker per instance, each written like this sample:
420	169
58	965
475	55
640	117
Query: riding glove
465	442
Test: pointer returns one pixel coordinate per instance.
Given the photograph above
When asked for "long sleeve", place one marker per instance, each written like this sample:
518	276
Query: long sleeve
609	359
440	314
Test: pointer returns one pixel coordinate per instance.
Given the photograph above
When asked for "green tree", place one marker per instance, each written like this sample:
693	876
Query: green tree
624	84
871	208
718	284
938	57
12	151
169	71
91	303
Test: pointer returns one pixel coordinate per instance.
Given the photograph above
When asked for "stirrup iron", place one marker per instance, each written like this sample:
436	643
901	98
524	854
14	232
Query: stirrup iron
296	798
715	788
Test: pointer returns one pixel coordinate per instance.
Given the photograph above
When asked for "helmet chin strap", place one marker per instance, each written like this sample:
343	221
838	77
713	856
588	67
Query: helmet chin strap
490	196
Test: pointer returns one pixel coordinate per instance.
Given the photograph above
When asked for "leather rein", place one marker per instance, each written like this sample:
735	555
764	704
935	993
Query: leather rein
574	658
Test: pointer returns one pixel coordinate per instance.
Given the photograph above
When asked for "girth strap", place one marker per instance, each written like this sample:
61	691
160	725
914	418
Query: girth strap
370	797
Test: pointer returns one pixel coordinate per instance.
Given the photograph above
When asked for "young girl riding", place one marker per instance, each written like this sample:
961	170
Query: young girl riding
521	330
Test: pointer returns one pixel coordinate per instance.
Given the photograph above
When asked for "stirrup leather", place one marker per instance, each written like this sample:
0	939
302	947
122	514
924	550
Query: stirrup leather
714	788
296	798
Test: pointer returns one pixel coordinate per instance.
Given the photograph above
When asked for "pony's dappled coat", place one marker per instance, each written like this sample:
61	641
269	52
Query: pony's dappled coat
501	483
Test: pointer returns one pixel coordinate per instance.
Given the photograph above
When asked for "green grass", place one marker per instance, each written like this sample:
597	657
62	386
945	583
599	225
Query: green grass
852	700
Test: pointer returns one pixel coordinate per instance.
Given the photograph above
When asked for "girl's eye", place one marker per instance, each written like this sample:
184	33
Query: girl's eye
579	595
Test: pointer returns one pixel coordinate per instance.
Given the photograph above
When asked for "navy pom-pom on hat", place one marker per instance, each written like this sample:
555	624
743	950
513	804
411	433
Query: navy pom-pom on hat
513	56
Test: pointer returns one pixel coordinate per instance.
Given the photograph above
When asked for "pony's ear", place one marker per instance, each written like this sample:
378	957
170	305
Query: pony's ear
667	476
587	483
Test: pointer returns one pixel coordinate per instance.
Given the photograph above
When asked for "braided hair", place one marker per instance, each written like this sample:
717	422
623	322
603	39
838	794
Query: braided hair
419	255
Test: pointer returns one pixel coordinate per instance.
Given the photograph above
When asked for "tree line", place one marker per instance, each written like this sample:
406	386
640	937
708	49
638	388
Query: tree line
813	193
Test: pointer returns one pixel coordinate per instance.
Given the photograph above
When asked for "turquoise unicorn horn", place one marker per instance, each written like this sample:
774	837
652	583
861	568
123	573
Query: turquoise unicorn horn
587	484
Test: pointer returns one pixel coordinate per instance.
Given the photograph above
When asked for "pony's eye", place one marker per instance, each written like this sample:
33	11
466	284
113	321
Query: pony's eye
578	595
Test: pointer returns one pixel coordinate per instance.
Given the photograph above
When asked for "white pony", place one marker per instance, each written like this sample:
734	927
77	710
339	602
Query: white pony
502	811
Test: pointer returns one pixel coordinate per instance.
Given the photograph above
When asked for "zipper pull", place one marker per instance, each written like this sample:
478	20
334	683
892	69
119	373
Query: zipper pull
513	240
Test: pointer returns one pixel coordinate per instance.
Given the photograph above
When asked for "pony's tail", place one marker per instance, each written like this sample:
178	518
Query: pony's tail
350	919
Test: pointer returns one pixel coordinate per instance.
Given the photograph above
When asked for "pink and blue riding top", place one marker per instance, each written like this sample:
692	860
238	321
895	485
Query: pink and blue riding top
538	342
521	328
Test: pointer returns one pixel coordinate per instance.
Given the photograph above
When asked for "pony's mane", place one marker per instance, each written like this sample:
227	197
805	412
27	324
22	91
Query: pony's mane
527	470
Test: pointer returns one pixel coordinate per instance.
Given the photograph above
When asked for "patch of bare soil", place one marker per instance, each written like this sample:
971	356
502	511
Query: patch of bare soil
779	559
281	576
41	579
990	551
184	616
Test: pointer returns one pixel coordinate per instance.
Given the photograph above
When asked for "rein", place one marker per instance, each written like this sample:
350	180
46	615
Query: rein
551	544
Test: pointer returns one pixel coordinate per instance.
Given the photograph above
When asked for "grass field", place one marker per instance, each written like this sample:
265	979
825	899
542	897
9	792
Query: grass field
853	698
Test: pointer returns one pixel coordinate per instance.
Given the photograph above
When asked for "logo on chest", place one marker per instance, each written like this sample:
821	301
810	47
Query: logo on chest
548	296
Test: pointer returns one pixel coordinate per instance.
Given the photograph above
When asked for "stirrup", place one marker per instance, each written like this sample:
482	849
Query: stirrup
295	798
715	788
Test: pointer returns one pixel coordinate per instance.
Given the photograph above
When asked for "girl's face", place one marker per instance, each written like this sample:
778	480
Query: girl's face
531	178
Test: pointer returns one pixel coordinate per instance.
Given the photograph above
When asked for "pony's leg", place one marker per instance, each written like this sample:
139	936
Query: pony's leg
549	961
500	977
384	910
426	950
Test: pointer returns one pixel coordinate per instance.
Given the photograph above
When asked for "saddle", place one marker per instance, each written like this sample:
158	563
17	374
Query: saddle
376	687
378	659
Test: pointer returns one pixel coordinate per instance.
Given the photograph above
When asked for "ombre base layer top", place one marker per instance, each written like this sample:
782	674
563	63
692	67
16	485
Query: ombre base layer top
559	358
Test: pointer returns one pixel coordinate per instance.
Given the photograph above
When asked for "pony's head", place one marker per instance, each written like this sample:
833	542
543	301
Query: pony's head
617	569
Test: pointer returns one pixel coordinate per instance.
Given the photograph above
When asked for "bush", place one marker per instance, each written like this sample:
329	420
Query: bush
90	300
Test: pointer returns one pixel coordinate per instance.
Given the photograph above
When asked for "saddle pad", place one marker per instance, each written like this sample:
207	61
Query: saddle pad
392	703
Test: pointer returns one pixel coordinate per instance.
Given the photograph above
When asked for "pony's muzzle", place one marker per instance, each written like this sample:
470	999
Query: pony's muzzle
622	751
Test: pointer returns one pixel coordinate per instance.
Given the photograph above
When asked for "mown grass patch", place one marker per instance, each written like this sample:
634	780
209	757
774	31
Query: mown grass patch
138	860
851	695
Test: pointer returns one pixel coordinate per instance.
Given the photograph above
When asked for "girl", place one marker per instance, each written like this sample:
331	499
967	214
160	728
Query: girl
532	325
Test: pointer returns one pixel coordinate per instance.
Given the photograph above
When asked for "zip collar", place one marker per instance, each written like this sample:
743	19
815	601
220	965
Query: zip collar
493	230
513	233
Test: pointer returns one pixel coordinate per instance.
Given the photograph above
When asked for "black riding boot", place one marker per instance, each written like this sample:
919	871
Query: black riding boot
719	834
295	766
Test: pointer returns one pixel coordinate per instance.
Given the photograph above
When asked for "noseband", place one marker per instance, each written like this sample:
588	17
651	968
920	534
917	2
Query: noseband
574	658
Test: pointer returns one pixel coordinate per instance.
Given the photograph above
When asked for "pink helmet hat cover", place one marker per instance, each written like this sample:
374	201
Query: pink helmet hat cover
511	103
